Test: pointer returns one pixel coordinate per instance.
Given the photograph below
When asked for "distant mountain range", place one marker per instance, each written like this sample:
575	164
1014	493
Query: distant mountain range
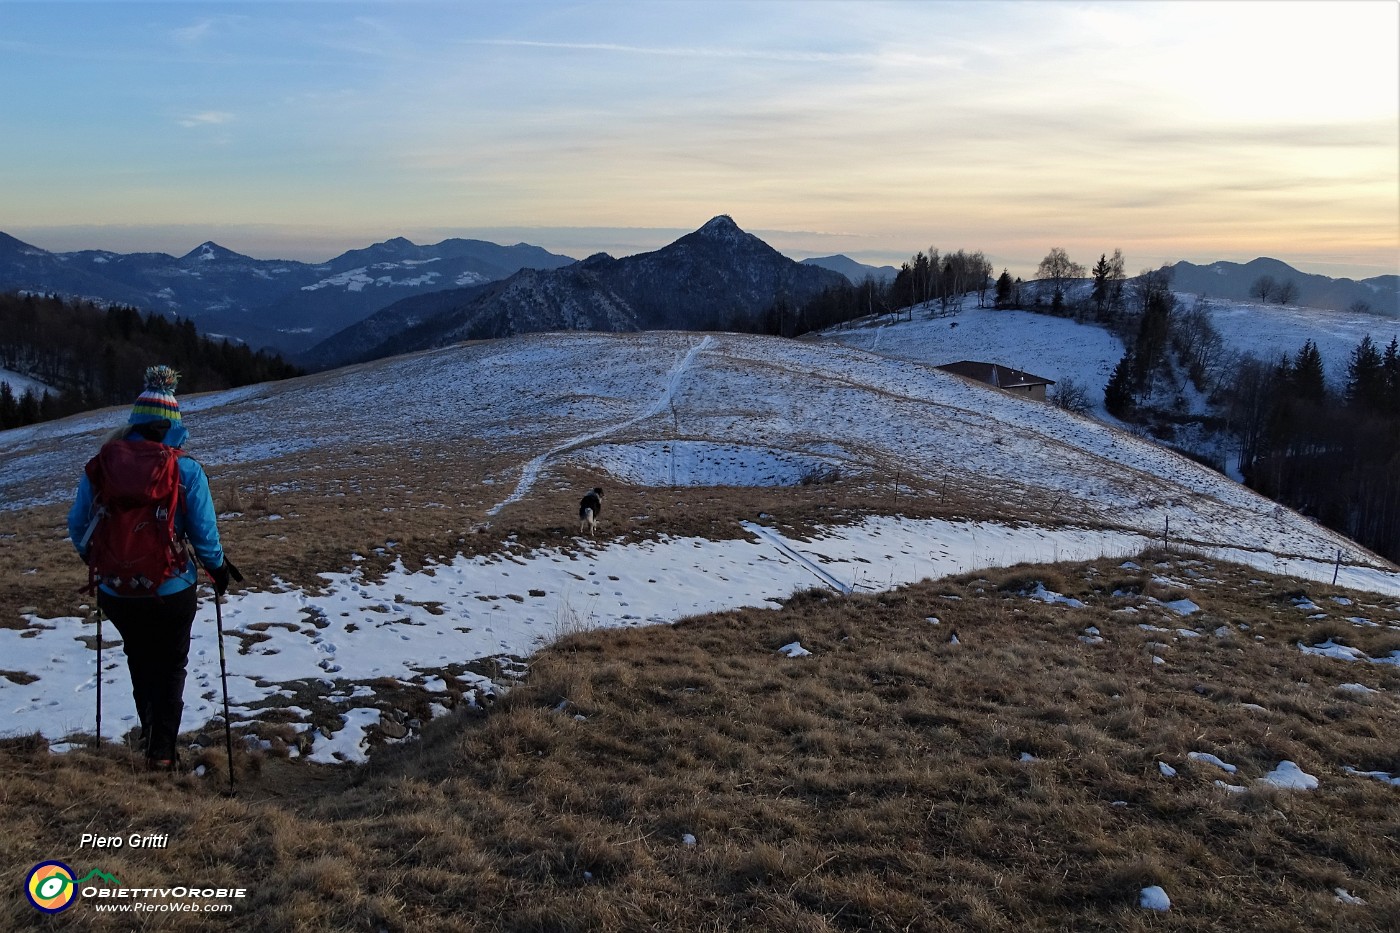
397	294
1234	281
857	272
283	304
291	306
717	278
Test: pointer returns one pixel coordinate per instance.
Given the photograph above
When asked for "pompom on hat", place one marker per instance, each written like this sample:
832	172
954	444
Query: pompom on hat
157	402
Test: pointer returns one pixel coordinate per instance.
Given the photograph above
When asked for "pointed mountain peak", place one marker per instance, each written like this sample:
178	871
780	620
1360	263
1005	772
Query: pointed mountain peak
723	233
722	227
209	251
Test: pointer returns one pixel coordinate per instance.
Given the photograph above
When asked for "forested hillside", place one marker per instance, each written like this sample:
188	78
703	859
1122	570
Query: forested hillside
1329	451
94	357
1334	456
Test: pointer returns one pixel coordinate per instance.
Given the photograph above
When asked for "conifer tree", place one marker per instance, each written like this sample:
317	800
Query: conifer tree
9	408
28	408
1390	367
1100	292
1004	289
1366	379
1308	378
1118	394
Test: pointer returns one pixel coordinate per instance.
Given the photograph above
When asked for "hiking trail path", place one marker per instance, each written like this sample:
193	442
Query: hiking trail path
531	471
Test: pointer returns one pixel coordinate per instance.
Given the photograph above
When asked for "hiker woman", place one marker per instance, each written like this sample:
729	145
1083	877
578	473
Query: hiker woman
138	502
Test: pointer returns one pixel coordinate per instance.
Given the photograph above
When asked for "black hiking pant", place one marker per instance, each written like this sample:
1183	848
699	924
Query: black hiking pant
156	638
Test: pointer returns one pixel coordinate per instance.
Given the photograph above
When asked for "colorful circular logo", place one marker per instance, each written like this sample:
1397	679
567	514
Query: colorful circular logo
50	887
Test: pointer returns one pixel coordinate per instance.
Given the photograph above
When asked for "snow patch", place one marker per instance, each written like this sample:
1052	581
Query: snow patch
1154	898
1331	649
1382	776
1053	598
349	743
1208	758
1288	776
702	463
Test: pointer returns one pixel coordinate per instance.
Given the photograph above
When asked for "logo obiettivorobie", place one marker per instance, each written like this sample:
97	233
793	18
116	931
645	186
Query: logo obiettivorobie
50	886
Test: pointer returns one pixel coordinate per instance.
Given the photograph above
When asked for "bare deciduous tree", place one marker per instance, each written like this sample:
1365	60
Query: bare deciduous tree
1056	268
1071	396
1198	344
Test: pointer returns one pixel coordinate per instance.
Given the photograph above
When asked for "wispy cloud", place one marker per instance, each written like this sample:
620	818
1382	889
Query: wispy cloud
193	33
710	52
1278	135
207	118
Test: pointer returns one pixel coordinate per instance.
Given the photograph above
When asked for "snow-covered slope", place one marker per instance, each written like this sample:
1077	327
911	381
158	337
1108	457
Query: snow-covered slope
1269	331
1053	347
563	392
559	394
657	409
20	384
1058	348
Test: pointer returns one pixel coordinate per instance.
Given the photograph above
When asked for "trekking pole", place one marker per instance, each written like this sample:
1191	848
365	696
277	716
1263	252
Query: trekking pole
223	675
223	666
97	739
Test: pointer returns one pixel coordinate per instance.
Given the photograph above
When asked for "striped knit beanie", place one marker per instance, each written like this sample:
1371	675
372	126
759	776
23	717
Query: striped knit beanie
157	402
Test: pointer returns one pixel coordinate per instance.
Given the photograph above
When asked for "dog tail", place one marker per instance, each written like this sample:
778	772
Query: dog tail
587	515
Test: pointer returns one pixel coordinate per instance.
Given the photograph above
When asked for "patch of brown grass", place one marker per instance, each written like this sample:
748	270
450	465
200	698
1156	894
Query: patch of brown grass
690	777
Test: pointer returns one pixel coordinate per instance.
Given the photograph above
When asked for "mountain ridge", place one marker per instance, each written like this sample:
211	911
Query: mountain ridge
291	306
716	277
857	272
1224	279
285	304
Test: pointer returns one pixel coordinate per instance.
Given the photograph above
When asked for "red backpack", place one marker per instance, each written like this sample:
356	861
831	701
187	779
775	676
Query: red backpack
131	542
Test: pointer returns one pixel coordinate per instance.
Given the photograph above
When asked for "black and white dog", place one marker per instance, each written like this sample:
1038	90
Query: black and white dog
589	508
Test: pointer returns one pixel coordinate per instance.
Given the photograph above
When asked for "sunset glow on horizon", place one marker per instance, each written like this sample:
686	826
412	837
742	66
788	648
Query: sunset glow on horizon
1170	130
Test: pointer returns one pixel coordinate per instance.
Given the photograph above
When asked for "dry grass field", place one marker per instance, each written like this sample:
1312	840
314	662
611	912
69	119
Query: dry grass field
954	755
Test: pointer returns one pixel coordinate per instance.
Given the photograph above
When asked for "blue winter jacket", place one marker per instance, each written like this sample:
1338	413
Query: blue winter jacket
196	521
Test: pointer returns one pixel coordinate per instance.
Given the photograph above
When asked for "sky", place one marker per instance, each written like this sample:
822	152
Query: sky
1170	130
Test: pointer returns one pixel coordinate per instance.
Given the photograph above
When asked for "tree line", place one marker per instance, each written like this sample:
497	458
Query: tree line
941	282
93	357
1333	455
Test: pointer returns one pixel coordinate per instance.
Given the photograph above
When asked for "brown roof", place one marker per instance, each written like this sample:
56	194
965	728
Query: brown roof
1003	377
